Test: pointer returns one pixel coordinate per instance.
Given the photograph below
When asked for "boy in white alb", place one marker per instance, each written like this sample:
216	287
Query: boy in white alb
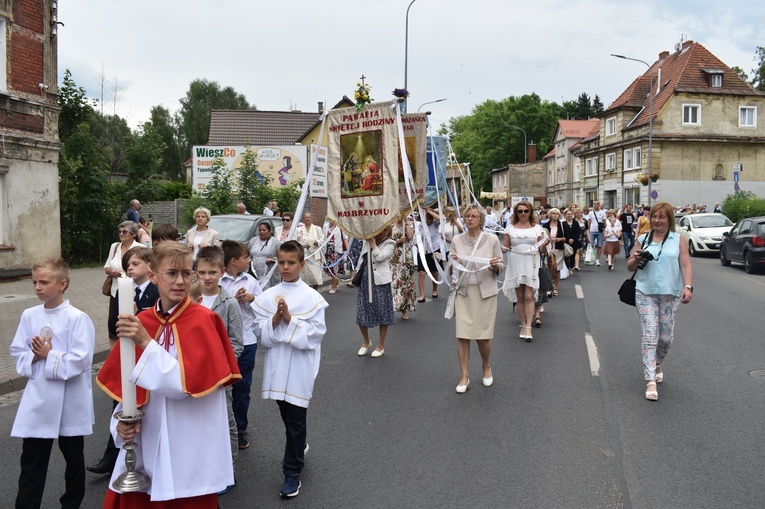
53	349
289	319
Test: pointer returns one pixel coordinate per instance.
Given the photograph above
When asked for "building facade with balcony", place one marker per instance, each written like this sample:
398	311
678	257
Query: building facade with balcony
30	219
707	138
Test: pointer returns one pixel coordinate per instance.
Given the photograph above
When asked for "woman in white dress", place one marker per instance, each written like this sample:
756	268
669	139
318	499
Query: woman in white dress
524	237
312	238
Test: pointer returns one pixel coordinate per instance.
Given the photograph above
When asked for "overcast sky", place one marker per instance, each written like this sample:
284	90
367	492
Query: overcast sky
295	53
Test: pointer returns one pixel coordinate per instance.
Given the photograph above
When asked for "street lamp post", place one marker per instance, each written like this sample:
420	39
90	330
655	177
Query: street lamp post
430	102
650	119
406	52
525	149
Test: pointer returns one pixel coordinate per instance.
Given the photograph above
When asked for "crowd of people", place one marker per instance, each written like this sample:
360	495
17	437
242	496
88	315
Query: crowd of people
202	307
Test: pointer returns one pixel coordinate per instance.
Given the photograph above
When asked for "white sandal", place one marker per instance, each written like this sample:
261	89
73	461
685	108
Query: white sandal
651	395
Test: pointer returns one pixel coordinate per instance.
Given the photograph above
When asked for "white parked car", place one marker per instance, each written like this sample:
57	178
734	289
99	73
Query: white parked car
703	232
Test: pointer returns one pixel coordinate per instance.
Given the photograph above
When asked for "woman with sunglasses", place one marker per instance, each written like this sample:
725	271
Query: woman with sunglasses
282	232
524	237
127	231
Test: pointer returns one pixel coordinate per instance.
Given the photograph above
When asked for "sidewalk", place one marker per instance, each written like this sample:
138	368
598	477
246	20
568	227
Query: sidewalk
84	293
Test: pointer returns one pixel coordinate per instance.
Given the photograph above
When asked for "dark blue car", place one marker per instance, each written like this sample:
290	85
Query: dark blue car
745	243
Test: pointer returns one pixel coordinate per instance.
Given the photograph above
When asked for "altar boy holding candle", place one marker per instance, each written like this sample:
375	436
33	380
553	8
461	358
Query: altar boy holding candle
183	361
53	349
289	320
136	261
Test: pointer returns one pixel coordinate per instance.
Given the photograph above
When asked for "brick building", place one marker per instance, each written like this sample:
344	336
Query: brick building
29	200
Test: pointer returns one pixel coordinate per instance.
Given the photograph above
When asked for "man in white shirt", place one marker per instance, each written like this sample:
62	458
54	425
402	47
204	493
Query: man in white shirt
597	219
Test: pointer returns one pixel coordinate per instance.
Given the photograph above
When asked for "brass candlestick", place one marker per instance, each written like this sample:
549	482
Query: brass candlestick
132	480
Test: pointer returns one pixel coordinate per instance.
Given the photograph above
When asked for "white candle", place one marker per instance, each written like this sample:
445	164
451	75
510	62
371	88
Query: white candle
127	348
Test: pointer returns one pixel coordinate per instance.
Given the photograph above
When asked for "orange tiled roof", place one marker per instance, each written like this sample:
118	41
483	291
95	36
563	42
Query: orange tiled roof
685	70
550	153
578	128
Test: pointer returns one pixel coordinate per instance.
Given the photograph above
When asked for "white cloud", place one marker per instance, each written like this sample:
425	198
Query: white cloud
300	52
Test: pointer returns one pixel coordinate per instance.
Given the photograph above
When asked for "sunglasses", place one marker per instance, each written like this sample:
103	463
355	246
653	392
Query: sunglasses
123	232
285	220
523	211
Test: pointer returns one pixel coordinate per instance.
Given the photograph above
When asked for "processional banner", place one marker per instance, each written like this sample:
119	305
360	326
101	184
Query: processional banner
362	169
437	157
416	144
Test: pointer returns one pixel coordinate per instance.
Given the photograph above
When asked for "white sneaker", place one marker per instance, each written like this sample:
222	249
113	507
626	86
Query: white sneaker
597	262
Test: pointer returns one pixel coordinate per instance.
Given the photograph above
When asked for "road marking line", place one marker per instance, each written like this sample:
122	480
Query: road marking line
592	353
579	291
754	281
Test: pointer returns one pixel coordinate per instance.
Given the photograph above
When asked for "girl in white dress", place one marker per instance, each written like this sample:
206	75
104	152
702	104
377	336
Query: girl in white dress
524	238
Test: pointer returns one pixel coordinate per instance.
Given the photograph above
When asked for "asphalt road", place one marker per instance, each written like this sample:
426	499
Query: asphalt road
392	432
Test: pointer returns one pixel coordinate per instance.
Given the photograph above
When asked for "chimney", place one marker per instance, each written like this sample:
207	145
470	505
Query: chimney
663	55
321	107
532	153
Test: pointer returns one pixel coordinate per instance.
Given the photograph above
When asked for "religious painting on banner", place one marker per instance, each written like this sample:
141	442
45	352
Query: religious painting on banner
415	142
362	169
437	157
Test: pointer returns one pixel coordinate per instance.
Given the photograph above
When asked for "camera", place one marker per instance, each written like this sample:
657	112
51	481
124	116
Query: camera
645	257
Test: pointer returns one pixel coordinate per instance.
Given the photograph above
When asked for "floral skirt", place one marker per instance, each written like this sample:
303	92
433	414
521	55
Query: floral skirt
380	310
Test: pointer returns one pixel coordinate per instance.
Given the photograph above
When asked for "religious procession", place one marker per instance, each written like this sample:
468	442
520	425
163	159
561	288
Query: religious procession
186	318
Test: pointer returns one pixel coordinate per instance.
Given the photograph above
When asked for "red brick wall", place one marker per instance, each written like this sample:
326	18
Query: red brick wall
22	122
30	14
25	47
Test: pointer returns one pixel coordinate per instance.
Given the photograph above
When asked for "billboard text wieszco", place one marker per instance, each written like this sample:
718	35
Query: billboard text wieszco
283	165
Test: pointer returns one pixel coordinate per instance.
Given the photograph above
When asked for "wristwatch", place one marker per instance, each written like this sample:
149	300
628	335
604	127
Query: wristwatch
689	287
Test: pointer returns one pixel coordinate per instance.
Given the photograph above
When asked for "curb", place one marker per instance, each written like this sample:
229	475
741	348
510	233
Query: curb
19	382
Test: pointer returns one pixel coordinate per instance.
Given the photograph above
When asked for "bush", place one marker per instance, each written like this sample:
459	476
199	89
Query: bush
742	204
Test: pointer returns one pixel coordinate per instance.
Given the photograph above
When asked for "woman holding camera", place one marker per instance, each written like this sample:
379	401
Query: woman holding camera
664	280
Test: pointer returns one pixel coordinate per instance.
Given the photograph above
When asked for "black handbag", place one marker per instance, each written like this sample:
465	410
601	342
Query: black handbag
627	290
360	272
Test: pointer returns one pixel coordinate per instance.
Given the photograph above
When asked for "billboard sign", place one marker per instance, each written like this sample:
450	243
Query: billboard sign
283	165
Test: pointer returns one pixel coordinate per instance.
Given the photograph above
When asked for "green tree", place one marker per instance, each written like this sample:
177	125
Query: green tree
89	211
758	73
193	118
485	139
219	192
115	138
75	108
144	162
172	159
597	105
250	180
88	208
584	109
287	196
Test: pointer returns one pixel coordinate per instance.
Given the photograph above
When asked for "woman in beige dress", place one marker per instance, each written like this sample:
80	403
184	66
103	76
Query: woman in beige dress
475	308
312	238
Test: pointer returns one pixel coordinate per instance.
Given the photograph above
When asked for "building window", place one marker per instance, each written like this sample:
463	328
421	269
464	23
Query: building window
716	80
747	116
610	163
591	167
576	172
691	114
632	196
636	157
611	126
627	159
719	172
